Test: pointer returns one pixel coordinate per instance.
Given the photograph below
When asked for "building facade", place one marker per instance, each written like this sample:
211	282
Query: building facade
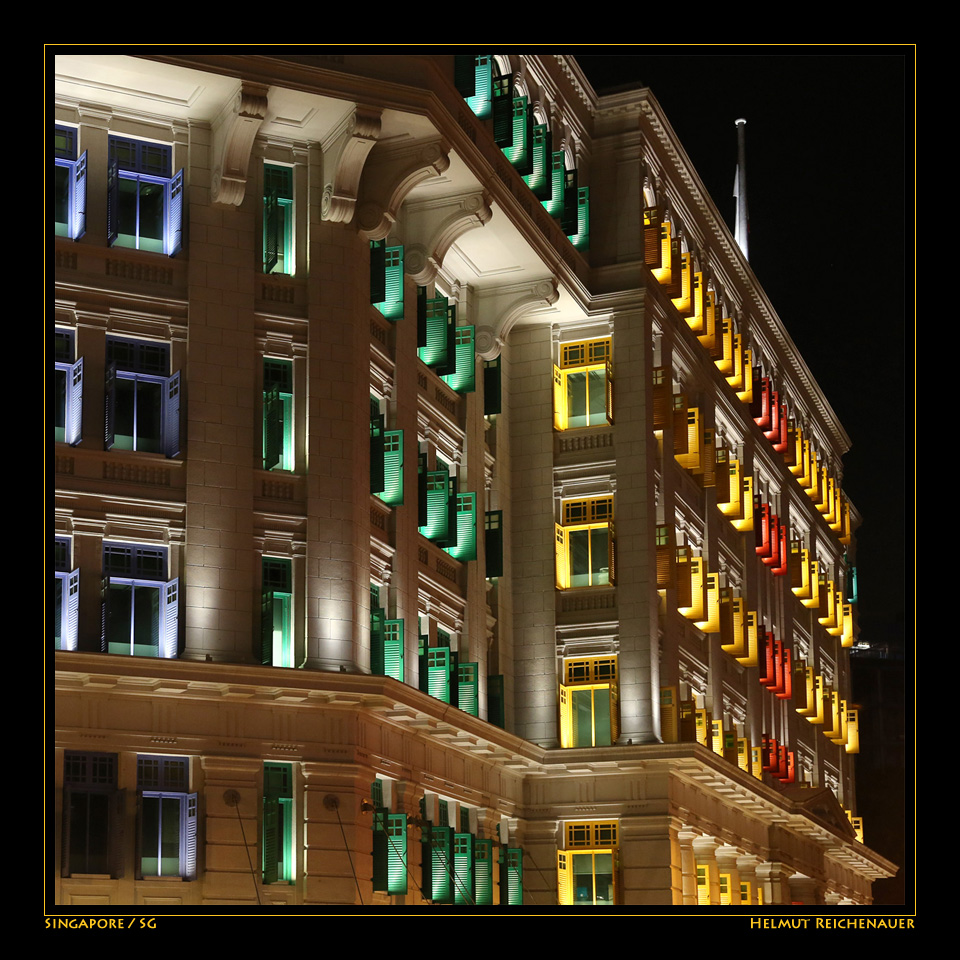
443	514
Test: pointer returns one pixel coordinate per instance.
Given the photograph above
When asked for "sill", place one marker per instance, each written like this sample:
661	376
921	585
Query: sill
162	880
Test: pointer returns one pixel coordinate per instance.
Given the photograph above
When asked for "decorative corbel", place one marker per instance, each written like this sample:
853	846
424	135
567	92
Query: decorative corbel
343	158
233	134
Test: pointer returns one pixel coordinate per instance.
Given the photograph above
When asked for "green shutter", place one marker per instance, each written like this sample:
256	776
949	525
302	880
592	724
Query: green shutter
392	663
391	305
571	203
463	862
433	351
438	673
377	634
272	428
511	876
441	864
503	111
392	467
437	495
493	542
553	203
468	688
475	74
520	152
380	849
465	74
463	377
266	628
396	835
483	873
465	547
538	179
581	237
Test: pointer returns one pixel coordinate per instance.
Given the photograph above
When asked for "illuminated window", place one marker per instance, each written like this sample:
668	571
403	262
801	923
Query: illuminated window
276	613
278	838
141	607
585	544
66	597
278	219
142	402
69	184
586	868
583	385
588	702
67	390
144	202
277	414
167	818
93	815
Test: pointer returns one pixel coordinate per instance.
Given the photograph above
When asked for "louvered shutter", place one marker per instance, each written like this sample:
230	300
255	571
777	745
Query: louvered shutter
171	415
173	239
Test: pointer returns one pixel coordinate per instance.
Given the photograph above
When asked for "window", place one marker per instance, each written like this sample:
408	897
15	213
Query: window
278	839
167	818
69	184
66	597
142	402
278	219
276	613
586	869
583	385
386	279
277	414
588	702
93	812
389	843
585	544
144	202
67	390
141	607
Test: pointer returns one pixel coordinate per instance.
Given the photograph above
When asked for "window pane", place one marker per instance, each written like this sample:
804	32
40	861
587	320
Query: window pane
599	559
146	621
596	388
601	717
579	547
149	411
118	624
59	404
576	399
582	703
61	200
151	216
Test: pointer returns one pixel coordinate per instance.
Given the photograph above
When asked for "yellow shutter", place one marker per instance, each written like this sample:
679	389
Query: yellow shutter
559	400
562	559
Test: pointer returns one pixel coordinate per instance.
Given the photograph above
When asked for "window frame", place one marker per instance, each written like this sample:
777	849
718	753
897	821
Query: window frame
279	220
88	775
277	603
136	575
583	358
587	840
144	162
169	786
66	597
585	514
589	675
135	367
278	849
278	415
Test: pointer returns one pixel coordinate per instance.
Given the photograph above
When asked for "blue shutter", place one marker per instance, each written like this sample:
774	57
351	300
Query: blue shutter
170	620
74	402
69	628
174	234
78	213
113	201
171	415
110	405
188	838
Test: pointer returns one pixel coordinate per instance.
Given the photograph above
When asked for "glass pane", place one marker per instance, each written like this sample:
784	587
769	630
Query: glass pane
582	706
61	200
603	874
124	413
149	412
599	558
146	621
89	833
579	548
582	868
149	834
118	623
127	194
282	616
59	404
576	399
596	389
151	216
601	717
